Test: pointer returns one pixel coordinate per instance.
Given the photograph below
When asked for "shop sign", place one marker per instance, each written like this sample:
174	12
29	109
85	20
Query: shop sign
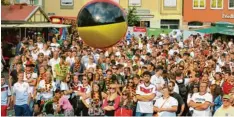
56	20
228	16
139	29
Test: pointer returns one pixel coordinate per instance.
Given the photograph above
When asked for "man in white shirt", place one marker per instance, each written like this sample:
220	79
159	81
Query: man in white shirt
21	97
145	94
158	80
55	60
201	101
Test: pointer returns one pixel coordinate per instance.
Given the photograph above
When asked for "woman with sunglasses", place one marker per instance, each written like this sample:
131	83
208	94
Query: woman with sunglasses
126	105
111	103
96	96
130	87
83	91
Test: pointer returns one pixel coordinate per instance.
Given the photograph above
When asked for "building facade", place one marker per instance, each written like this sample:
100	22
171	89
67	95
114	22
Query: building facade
152	13
202	13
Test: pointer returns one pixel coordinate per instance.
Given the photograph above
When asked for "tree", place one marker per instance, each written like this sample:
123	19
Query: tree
132	18
5	2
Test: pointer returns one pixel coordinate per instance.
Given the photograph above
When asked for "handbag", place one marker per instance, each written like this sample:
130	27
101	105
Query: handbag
156	115
123	112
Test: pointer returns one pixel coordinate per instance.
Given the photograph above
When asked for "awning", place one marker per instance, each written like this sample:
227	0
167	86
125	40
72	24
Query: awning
9	25
42	25
219	30
227	32
210	30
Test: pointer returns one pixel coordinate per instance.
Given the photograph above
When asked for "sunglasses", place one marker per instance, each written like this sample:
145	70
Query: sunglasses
111	88
124	94
130	82
225	100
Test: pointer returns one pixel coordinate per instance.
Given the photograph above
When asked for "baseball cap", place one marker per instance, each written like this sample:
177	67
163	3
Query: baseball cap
226	97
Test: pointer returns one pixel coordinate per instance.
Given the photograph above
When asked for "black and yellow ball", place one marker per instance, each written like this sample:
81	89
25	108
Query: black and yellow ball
101	23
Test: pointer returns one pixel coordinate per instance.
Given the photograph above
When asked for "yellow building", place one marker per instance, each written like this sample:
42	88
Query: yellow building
153	13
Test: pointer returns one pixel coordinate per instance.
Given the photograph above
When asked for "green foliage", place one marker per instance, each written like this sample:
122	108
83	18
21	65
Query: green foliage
132	18
5	2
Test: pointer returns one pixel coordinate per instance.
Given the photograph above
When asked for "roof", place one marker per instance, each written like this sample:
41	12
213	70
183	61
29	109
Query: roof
19	13
41	25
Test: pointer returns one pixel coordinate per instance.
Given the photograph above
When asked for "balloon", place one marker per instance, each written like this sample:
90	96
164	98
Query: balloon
101	23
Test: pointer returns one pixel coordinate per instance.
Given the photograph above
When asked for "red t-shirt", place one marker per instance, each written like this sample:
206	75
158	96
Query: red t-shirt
227	87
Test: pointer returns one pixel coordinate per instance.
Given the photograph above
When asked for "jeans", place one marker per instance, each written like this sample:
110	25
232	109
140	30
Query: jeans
143	114
22	110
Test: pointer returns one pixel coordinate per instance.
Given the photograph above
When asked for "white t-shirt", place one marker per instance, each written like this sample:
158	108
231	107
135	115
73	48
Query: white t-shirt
166	103
197	98
54	46
46	95
145	107
70	60
45	52
158	81
172	51
35	55
52	63
64	87
40	45
21	92
93	65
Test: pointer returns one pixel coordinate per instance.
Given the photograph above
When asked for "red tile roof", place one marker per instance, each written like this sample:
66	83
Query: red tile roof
16	12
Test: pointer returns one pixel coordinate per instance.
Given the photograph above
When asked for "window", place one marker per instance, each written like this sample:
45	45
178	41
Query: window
216	4
231	4
170	24
66	2
134	2
195	25
145	24
199	4
170	3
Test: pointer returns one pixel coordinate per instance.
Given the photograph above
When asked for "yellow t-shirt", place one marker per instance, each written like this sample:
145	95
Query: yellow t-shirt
225	112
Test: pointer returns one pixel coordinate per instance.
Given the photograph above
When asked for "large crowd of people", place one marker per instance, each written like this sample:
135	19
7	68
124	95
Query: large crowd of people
140	76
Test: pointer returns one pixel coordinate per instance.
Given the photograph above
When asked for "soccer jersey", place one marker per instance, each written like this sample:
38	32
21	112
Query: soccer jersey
86	90
5	92
142	106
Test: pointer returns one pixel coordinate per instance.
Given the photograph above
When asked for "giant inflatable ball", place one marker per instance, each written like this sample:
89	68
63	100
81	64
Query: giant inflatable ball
101	23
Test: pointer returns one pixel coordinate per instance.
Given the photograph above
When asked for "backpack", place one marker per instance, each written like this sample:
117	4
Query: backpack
183	89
